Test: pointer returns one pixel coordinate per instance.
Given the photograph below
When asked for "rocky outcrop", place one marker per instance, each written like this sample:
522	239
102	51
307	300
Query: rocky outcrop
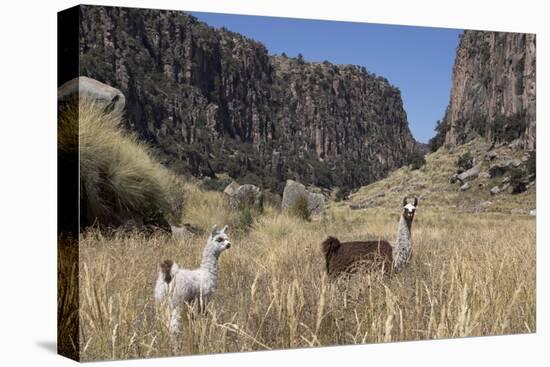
295	190
493	89
211	100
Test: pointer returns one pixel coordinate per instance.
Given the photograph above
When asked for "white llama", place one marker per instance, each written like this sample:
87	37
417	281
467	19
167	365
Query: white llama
184	286
402	250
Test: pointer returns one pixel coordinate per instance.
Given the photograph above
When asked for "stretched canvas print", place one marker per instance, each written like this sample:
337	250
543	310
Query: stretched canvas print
238	183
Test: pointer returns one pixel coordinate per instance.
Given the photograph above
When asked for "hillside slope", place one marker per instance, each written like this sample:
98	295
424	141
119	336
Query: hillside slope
433	186
211	100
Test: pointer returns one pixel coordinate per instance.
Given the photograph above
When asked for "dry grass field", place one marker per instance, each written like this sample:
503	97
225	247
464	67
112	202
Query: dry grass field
471	275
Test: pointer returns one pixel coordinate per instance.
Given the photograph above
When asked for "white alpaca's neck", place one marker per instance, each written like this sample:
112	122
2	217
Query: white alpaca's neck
210	260
403	245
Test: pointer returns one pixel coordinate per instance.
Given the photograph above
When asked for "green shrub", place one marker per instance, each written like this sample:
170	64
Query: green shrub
517	181
246	218
508	128
342	193
417	160
439	139
300	208
532	164
119	181
465	162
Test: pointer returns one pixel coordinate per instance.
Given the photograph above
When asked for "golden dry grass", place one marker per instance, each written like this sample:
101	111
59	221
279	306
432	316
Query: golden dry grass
470	275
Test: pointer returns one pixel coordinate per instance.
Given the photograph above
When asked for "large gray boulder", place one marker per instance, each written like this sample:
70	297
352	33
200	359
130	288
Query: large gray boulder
104	94
470	174
499	169
294	190
491	155
239	196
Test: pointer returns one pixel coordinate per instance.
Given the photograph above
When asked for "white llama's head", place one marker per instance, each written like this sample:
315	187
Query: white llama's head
218	240
409	208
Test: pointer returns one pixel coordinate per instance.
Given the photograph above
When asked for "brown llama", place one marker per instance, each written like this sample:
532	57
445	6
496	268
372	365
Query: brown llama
348	257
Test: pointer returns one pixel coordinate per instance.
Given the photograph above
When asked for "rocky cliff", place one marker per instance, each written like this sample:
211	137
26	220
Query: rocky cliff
493	89
211	100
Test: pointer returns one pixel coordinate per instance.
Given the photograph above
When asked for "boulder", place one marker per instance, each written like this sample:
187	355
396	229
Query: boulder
516	163
499	169
181	233
533	212
470	174
453	178
495	190
465	187
231	189
484	175
316	203
294	190
239	196
110	97
489	156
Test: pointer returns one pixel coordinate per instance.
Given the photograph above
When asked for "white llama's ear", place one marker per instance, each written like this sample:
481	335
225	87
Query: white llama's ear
404	201
225	228
214	230
415	202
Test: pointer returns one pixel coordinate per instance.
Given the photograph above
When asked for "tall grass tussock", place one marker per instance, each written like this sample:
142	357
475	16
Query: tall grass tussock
119	179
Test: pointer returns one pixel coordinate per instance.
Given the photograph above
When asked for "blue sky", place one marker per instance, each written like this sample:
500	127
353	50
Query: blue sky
417	60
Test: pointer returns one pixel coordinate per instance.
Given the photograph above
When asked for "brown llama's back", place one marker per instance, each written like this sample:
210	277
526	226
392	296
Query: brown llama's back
349	257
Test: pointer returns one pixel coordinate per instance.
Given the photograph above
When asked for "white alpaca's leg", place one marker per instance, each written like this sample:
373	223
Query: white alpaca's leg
175	320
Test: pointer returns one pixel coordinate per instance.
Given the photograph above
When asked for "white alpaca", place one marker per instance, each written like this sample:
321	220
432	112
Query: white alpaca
183	286
402	250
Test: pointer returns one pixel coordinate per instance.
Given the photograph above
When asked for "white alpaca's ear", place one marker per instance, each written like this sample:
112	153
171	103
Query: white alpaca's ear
404	201
214	230
224	228
415	202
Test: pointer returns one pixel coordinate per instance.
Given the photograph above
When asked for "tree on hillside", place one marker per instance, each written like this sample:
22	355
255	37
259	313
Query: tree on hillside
440	131
417	160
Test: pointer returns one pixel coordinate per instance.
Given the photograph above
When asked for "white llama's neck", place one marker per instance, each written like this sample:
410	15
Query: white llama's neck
210	259
403	245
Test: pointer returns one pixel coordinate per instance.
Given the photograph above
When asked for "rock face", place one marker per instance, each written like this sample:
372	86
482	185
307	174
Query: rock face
112	98
295	190
493	89
210	100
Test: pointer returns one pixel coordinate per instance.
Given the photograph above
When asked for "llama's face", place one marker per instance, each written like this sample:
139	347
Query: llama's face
409	209
220	239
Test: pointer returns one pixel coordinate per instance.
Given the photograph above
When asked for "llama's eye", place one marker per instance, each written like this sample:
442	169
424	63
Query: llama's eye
219	239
